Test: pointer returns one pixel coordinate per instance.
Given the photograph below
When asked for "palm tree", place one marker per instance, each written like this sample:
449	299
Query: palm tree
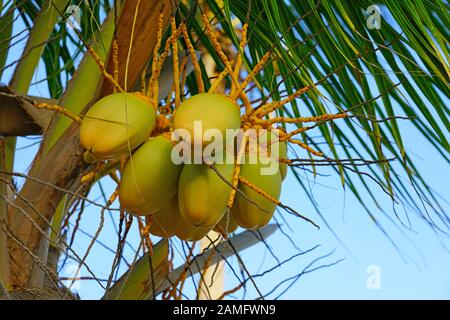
346	72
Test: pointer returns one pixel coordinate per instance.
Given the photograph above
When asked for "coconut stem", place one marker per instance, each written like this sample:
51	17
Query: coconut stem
197	70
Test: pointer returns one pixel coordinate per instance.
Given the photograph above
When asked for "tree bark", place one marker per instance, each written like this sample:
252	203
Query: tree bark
145	29
63	164
62	167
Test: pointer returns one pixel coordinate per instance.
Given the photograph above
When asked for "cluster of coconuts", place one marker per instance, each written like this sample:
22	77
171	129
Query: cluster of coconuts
186	200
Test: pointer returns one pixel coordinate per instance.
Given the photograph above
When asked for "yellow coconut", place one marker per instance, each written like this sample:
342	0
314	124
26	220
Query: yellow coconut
206	111
245	213
270	145
150	177
116	124
202	194
226	225
283	155
168	222
281	146
163	219
188	232
278	150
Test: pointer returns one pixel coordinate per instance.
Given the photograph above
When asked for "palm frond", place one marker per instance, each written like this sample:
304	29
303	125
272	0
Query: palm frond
400	69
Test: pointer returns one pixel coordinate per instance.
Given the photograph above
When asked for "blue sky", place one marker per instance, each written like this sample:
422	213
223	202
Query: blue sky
419	270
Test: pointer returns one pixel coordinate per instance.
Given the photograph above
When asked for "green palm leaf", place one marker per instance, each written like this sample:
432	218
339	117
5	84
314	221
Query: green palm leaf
329	43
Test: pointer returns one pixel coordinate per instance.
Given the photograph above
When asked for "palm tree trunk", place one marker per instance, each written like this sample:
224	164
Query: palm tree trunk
62	166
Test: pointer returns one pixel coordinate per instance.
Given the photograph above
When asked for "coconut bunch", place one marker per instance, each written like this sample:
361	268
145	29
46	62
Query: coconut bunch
186	199
220	190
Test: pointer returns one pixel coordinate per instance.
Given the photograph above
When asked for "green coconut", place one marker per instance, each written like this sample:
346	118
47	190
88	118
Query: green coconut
214	111
116	125
245	213
163	220
168	222
150	178
276	149
227	224
283	155
202	194
188	232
